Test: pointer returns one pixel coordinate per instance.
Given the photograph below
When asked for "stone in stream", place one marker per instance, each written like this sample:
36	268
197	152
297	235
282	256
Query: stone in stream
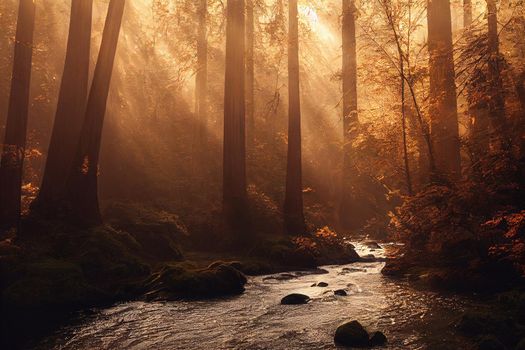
352	334
377	339
322	284
341	292
295	299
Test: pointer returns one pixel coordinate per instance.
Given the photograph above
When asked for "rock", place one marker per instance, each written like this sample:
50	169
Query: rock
490	343
173	282
352	334
322	284
295	299
341	292
378	339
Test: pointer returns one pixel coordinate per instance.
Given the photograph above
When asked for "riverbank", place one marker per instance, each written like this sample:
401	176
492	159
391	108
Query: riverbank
50	270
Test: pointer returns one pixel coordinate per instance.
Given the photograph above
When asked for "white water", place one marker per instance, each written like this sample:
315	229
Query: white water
411	319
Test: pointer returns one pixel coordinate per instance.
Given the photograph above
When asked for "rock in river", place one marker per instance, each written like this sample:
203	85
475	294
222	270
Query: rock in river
352	334
322	284
378	339
341	292
295	299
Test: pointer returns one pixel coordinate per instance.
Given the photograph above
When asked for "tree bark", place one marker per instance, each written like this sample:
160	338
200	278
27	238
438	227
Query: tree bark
467	13
13	151
350	116
234	162
201	78
293	202
443	104
70	109
250	72
82	184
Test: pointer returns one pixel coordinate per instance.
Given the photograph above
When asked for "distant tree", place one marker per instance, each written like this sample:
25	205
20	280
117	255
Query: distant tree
234	162
350	117
443	112
201	78
13	150
293	202
71	105
496	98
82	183
250	72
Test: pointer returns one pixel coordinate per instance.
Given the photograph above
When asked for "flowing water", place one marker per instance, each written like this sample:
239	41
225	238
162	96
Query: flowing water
411	319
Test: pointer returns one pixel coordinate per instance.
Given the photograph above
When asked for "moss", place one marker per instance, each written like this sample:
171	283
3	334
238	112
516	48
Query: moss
176	281
50	283
157	231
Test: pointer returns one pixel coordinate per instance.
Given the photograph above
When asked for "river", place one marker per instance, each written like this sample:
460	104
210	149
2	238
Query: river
410	318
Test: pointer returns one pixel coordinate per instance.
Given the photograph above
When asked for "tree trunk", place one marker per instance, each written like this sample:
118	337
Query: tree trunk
82	183
496	100
404	122
467	13
201	79
443	104
250	72
70	109
350	117
234	163
293	202
13	151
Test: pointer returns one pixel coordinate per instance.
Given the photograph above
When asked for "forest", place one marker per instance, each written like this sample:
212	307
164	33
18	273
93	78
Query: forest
262	174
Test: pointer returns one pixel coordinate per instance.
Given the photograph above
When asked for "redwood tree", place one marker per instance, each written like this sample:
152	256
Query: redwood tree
250	72
443	104
293	203
70	109
350	117
234	152
82	182
13	150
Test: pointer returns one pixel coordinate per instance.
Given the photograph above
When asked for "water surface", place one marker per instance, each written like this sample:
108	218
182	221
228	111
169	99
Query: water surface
410	318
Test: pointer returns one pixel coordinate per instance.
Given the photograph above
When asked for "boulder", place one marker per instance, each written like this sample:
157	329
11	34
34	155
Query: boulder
352	334
177	281
341	292
322	284
295	299
378	339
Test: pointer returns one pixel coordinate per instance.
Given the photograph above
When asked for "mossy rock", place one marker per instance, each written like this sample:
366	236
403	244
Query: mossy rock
174	282
352	334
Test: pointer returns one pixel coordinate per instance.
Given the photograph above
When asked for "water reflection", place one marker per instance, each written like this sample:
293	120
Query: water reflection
411	319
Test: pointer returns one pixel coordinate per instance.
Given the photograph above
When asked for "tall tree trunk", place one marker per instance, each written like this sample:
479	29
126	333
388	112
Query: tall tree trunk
404	122
70	109
82	183
234	163
293	202
250	72
13	151
201	79
350	117
467	13
443	112
496	101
